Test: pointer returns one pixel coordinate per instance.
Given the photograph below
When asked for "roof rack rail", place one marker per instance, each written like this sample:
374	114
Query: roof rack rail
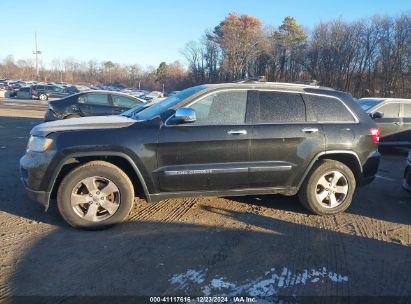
252	79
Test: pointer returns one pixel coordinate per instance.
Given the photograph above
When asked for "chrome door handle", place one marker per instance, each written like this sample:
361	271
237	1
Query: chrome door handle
309	130
237	132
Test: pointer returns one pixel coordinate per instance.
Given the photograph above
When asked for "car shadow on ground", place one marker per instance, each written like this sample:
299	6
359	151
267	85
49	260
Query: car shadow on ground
268	257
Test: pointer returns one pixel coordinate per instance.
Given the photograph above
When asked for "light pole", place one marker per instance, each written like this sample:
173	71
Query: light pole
37	53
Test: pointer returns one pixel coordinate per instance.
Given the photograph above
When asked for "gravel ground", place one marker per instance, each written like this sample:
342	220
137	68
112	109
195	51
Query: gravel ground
257	245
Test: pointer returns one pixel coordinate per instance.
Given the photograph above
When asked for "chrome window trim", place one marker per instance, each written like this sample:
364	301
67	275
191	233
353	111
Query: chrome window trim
356	120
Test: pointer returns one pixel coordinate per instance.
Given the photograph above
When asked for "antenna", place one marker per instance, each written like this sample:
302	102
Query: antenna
37	53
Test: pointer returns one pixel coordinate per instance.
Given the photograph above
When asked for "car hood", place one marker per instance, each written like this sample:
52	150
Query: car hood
82	123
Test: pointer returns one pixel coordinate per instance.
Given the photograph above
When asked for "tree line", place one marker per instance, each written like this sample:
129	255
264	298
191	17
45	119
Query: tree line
367	57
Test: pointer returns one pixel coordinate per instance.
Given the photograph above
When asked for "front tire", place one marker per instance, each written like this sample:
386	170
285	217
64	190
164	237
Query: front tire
43	97
328	189
95	195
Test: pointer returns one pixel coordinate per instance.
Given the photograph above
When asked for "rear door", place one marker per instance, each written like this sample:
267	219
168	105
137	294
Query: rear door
405	115
122	103
283	141
211	153
56	92
94	104
389	124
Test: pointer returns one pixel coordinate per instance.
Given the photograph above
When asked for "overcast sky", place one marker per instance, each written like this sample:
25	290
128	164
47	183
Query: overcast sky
148	32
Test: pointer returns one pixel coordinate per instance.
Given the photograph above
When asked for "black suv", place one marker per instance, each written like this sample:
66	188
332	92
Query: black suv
225	140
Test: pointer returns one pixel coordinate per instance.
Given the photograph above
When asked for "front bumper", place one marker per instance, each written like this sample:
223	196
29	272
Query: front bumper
41	197
35	176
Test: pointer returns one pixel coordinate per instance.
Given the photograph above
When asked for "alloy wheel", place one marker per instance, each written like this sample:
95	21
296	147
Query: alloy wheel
95	198
332	189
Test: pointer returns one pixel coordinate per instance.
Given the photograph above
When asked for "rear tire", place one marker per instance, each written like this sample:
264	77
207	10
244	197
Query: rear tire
328	189
95	195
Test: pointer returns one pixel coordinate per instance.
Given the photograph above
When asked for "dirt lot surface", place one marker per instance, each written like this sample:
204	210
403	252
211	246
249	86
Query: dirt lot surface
258	245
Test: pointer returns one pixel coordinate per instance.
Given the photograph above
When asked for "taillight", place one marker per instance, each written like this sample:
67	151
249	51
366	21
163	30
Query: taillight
33	92
375	133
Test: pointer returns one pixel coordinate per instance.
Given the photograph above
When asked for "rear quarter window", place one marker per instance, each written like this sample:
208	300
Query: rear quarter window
329	109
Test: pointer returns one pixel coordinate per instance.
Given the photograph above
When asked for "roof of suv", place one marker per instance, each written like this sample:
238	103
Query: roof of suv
262	85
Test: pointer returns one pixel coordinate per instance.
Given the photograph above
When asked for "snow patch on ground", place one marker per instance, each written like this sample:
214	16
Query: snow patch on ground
266	285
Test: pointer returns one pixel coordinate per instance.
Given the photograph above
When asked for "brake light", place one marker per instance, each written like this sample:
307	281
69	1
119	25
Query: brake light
33	92
375	133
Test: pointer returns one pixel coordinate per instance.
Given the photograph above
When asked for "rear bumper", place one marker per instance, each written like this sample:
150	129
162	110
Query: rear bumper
370	168
50	116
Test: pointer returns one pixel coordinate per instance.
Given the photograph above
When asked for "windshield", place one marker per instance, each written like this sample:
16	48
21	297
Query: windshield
166	104
367	104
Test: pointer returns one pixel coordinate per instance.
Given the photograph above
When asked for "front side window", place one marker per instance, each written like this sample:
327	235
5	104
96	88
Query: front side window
407	110
97	99
221	108
123	102
367	104
389	110
280	107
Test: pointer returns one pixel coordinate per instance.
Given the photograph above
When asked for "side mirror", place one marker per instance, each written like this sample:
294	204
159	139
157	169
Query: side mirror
185	115
377	115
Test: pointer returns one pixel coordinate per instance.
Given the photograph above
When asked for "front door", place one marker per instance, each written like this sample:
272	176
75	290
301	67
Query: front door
210	153
390	123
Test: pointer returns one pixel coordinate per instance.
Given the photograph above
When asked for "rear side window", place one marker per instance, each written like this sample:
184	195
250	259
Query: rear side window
328	109
278	107
97	99
390	110
123	102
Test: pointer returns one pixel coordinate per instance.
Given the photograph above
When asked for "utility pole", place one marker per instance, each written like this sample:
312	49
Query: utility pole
37	53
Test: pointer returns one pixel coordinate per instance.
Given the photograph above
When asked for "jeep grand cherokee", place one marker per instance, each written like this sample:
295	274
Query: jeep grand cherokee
226	139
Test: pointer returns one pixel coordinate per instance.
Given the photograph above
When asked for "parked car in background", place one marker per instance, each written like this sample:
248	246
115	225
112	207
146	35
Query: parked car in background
393	117
173	93
406	185
153	95
24	93
218	140
90	103
44	92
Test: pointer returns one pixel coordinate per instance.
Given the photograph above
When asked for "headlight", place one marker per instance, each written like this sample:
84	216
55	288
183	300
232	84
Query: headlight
39	144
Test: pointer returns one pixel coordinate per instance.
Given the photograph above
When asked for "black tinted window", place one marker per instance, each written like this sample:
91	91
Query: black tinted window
390	110
280	107
98	99
407	110
221	108
329	109
40	87
123	102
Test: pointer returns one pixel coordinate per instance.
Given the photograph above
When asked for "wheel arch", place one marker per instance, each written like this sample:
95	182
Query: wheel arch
348	158
121	160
